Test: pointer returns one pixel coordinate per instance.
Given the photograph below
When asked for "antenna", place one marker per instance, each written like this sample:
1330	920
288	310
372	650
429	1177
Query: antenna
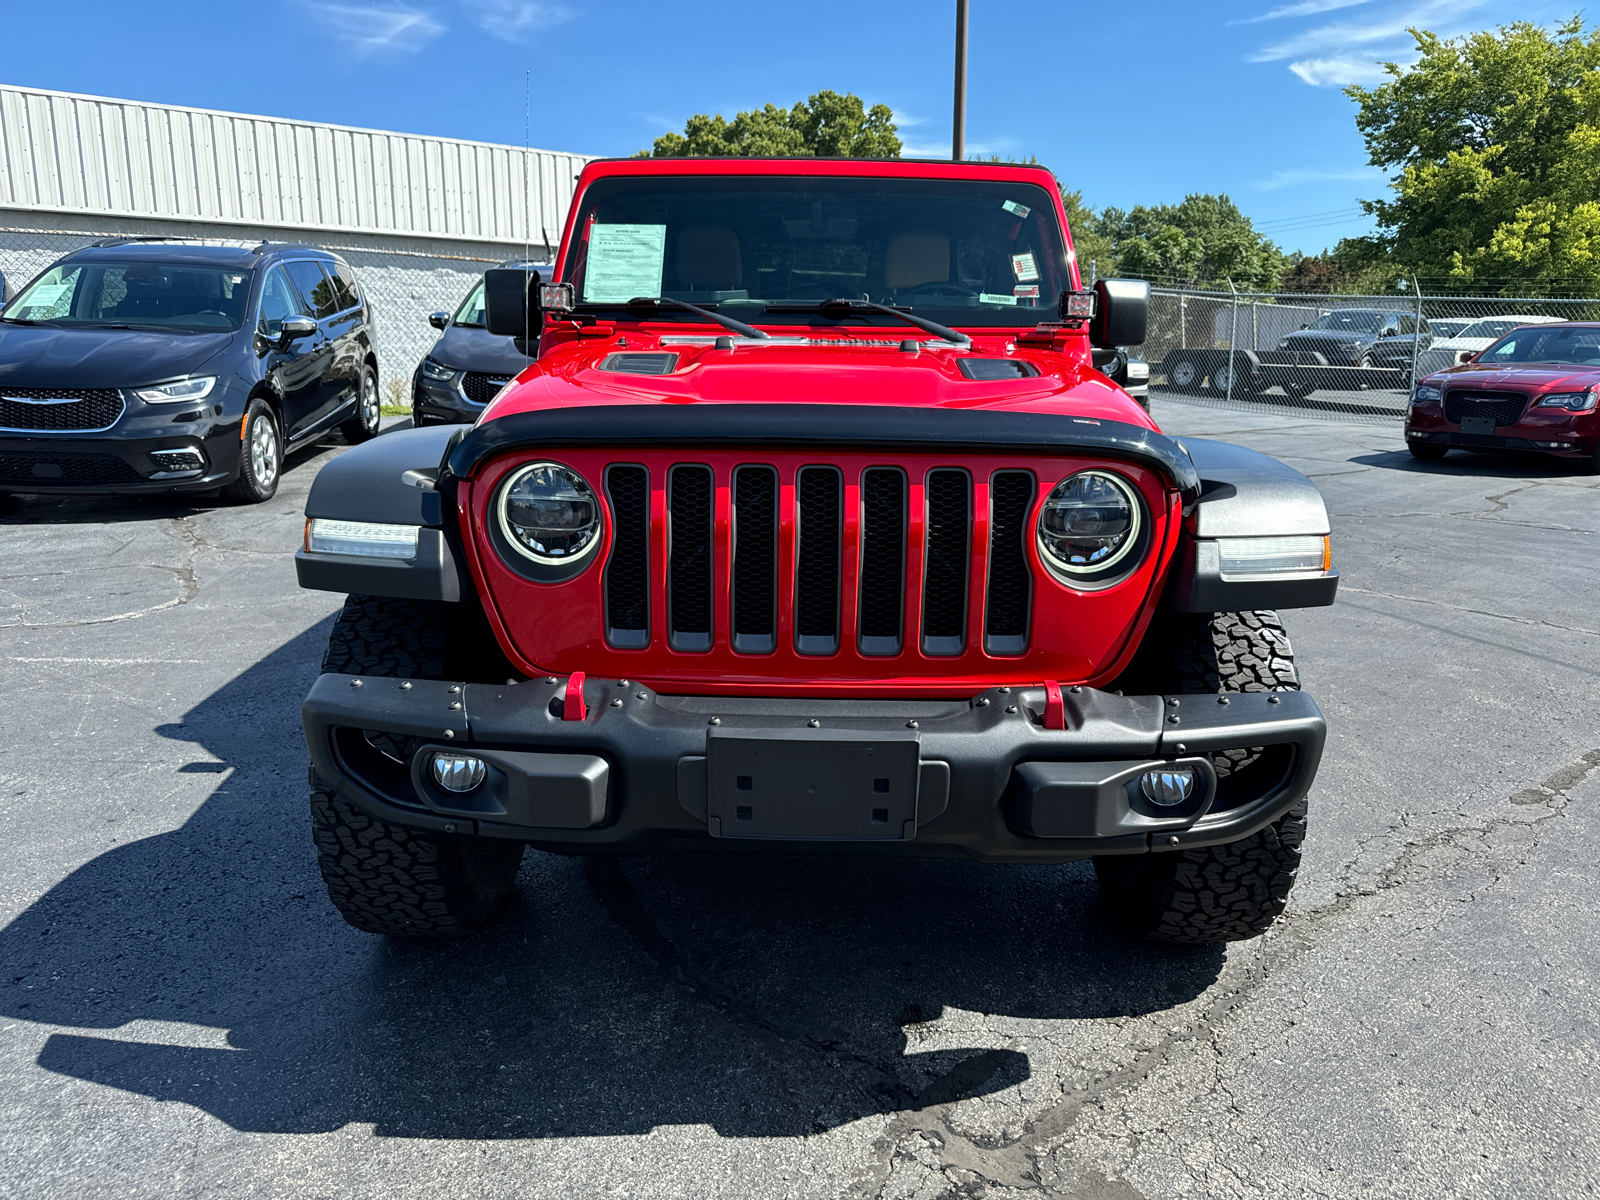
527	212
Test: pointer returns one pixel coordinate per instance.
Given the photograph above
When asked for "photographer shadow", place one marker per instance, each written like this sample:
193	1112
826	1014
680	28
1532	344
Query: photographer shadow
760	996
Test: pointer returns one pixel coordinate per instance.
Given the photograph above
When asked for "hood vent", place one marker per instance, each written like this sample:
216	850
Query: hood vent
997	368
640	363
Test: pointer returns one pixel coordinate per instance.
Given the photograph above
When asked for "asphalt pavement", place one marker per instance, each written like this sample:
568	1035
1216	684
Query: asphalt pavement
182	1014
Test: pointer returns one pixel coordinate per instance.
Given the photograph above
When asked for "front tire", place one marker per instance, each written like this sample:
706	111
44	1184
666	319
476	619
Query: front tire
364	425
260	456
1224	893
385	878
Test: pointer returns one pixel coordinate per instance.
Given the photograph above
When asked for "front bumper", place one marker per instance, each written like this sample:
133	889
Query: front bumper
645	772
181	457
1542	430
442	401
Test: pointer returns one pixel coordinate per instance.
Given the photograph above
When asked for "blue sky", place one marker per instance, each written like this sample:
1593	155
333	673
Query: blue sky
1135	102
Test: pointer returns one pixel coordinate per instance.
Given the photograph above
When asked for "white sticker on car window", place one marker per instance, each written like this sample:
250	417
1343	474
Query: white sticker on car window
48	295
1028	290
995	298
1023	266
1015	209
624	262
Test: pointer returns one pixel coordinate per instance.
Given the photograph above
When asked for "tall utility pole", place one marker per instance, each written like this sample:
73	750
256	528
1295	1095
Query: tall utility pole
958	143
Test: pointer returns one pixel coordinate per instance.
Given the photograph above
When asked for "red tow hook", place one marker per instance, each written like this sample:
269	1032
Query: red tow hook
574	709
1055	709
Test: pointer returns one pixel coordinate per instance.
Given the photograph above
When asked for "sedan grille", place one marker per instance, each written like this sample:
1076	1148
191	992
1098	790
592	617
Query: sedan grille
1505	407
60	410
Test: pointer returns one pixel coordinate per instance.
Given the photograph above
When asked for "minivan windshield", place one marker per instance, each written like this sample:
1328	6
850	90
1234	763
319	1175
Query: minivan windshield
1578	346
134	295
771	250
470	314
1350	321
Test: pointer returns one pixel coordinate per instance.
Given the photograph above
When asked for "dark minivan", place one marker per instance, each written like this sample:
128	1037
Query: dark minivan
468	365
145	365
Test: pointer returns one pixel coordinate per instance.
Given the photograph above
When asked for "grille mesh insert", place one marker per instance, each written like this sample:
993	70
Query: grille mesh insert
45	469
944	579
883	544
481	388
1505	407
627	574
689	566
816	586
755	559
81	408
1010	583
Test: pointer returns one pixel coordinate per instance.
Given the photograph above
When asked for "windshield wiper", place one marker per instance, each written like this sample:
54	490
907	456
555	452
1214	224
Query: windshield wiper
26	321
739	327
910	318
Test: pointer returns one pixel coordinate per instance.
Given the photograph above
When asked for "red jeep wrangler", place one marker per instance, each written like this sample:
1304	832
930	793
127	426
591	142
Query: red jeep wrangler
813	529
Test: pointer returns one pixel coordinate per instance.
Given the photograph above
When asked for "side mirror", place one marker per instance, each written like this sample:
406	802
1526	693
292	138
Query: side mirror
1122	312
1307	326
439	320
294	329
511	301
1467	356
5	292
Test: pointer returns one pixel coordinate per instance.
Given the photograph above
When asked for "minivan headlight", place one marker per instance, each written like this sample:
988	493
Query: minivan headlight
438	372
197	388
549	514
1089	529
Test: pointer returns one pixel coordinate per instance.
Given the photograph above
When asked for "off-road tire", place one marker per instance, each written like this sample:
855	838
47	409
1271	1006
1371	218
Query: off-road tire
368	418
1427	451
384	878
260	431
1210	893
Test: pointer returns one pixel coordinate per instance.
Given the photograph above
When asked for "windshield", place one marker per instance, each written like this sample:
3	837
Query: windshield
142	295
1544	344
1350	321
1449	327
1493	328
958	252
470	314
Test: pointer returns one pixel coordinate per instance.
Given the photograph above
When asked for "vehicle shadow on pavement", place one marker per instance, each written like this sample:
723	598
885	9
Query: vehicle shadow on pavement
1491	464
762	997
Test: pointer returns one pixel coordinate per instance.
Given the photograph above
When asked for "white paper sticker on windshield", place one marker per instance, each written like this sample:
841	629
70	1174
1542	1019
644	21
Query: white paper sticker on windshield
1022	264
1015	209
48	295
995	298
624	262
1028	291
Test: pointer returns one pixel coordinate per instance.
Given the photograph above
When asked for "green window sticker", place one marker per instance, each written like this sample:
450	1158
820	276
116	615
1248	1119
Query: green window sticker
624	262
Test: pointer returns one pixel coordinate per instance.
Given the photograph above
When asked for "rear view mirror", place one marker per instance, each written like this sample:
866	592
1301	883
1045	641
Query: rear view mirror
439	320
511	301
1122	312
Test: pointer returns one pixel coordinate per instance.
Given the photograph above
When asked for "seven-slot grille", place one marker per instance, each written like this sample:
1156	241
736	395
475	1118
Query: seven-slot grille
1505	407
726	570
481	388
60	410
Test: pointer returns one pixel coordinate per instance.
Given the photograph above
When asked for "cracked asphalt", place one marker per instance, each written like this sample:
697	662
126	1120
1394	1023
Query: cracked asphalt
183	1015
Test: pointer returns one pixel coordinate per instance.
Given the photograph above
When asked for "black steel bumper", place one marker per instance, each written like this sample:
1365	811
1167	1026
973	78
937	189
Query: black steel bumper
980	778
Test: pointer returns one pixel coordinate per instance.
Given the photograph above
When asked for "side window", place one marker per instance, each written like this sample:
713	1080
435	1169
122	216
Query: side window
1407	323
346	293
314	285
278	303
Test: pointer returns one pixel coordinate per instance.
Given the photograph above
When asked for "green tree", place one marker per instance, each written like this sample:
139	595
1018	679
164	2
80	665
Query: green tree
1088	241
1496	140
1204	241
824	125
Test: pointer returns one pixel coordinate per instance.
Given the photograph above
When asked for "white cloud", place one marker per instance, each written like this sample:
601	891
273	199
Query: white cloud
380	28
514	20
1298	175
1344	38
904	120
1337	72
1305	8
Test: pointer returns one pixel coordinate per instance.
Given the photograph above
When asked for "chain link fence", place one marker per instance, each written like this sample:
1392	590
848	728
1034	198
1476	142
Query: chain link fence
402	288
1350	358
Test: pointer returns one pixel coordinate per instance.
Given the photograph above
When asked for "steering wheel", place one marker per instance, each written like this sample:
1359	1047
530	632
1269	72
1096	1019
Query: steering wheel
935	287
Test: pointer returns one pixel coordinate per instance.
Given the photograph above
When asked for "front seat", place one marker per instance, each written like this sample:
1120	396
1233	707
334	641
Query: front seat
709	259
914	258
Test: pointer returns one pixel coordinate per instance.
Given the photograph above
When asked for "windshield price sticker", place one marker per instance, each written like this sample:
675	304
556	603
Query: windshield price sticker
1023	267
48	295
624	263
1015	209
1027	290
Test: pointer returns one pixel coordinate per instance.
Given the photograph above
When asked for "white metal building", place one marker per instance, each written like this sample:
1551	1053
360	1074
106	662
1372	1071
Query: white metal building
417	216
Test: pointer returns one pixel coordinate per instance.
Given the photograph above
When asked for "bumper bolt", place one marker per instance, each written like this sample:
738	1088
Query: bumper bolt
1011	708
449	828
1174	719
1074	689
643	696
714	721
1172	702
1182	749
455	704
622	683
814	724
449	733
453	688
1173	840
1222	699
616	703
406	686
983	702
549	678
1005	691
355	683
911	724
1272	699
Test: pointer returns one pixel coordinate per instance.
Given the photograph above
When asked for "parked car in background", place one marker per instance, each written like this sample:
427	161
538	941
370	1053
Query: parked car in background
1534	389
146	365
1351	337
467	365
1472	337
1400	342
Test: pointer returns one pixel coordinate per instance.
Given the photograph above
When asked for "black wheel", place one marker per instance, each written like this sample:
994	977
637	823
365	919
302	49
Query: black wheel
1239	374
1427	451
384	878
1184	375
260	456
1591	464
369	409
1298	390
1210	893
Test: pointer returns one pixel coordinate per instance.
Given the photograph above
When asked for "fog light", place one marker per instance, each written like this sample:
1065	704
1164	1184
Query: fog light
458	772
1169	787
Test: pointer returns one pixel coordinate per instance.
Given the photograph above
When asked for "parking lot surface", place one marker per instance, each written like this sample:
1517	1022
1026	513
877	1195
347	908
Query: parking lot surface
182	1014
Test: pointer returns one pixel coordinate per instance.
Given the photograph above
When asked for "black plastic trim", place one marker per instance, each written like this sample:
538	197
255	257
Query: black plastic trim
1196	584
432	575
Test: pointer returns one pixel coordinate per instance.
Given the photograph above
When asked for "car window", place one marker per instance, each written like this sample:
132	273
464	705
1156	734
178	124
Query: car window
147	294
279	302
314	285
470	314
1542	344
345	291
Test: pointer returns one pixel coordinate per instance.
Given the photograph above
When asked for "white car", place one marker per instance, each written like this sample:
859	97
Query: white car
1477	335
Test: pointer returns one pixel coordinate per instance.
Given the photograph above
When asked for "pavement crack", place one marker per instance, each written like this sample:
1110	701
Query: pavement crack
1477	612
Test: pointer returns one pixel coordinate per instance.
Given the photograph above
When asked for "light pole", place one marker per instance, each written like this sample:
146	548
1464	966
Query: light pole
958	141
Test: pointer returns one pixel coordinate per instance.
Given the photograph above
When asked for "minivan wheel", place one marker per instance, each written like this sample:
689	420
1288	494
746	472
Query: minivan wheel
260	456
369	410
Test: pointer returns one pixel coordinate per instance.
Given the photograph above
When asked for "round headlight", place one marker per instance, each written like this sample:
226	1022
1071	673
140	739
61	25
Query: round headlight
1089	526
549	514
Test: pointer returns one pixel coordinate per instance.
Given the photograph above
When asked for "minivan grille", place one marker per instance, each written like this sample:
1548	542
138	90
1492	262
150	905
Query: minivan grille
481	388
825	557
60	410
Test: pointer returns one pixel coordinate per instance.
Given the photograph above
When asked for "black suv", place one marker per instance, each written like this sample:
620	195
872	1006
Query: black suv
144	365
1360	337
467	365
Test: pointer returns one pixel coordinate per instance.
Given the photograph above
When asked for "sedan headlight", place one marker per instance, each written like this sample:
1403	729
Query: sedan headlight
1427	394
549	514
1572	401
1090	528
197	388
437	372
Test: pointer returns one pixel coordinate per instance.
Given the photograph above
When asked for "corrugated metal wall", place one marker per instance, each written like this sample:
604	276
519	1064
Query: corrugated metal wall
85	154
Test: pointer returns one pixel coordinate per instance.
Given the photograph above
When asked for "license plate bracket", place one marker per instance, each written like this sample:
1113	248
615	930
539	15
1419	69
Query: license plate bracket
811	784
1478	425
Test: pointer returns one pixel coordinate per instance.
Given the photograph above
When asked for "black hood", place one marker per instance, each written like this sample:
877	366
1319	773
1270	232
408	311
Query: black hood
41	356
1347	336
469	349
